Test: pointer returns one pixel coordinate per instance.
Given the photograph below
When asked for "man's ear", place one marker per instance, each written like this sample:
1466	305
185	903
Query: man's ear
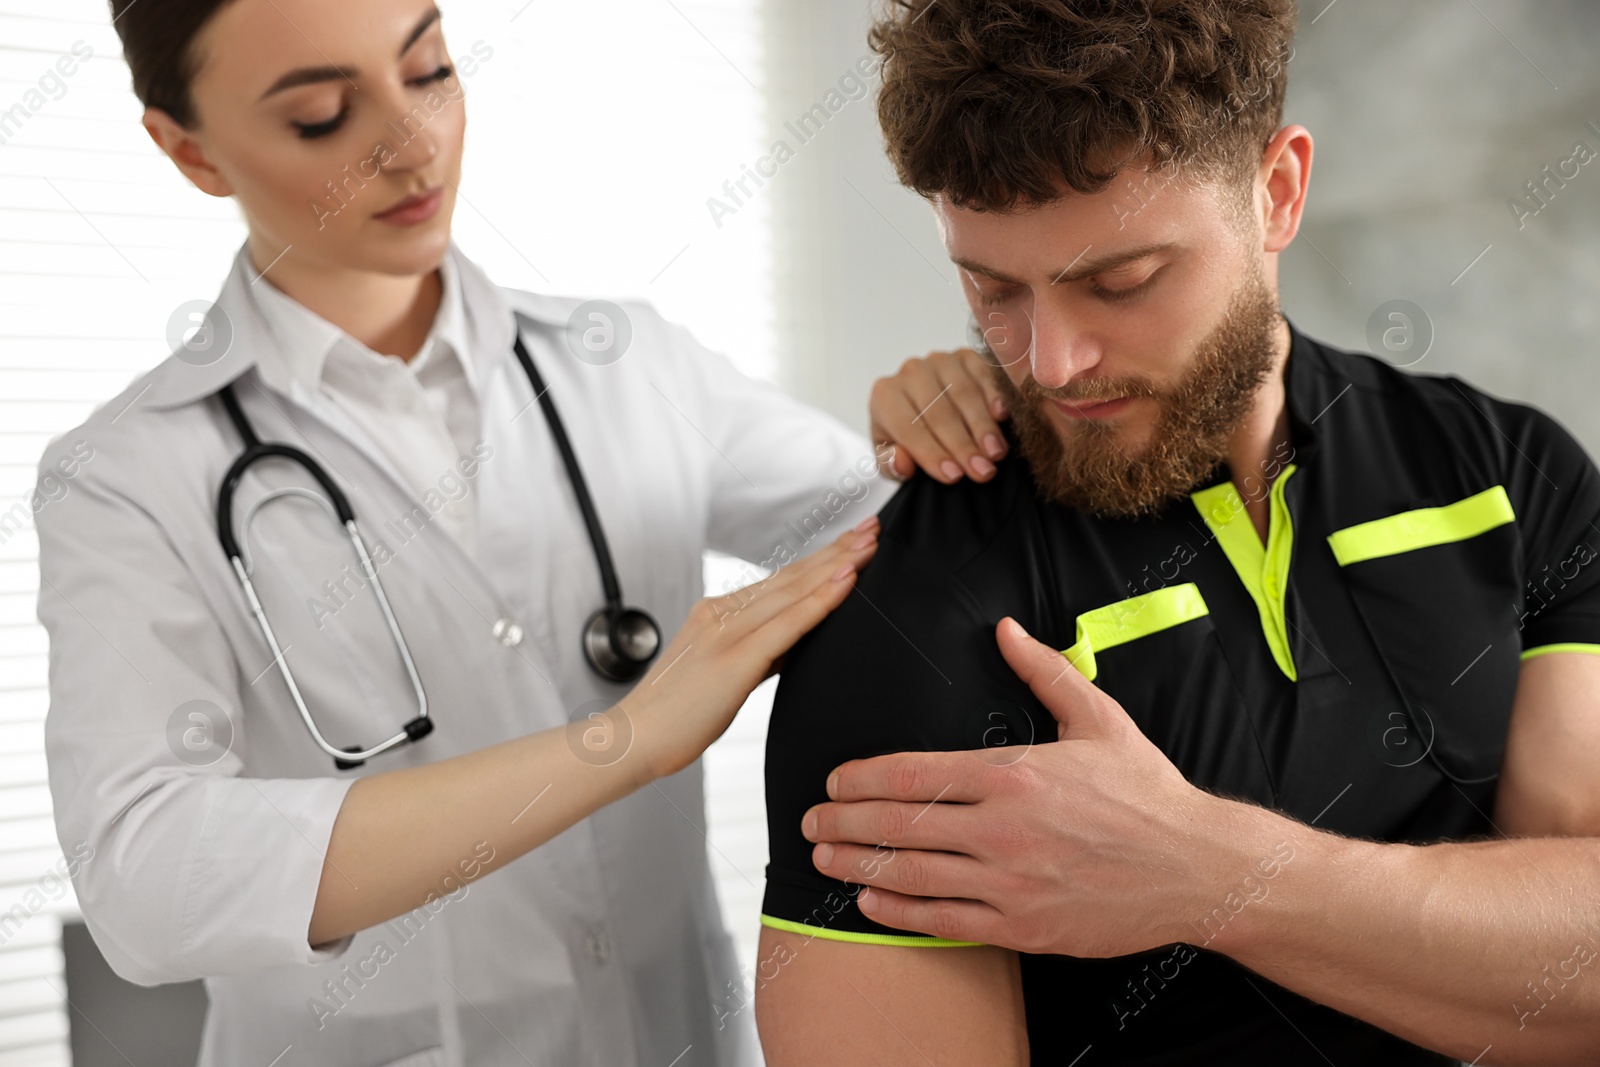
187	152
1281	185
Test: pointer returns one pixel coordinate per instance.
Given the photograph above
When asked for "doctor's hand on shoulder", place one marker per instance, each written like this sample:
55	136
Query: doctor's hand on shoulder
731	644
941	414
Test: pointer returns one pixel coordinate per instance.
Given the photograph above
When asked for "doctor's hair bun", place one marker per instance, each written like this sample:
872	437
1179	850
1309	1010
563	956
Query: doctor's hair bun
158	43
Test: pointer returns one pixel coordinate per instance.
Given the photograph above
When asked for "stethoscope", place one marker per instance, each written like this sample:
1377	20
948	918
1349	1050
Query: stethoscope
618	641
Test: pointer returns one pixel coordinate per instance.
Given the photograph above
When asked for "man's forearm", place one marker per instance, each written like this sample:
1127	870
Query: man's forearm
1457	946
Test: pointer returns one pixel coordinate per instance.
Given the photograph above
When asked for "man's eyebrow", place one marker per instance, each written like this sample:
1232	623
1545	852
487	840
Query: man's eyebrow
314	75
1084	266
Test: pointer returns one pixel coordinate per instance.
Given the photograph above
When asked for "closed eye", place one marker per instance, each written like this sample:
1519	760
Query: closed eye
1115	296
310	131
438	75
997	298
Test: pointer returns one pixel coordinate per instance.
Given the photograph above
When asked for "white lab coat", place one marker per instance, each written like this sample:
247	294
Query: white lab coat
603	947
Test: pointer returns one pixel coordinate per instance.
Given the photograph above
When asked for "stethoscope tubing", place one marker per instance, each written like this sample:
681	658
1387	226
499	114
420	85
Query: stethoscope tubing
580	485
335	501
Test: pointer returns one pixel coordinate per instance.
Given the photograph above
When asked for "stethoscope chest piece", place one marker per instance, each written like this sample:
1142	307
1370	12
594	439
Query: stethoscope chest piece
619	645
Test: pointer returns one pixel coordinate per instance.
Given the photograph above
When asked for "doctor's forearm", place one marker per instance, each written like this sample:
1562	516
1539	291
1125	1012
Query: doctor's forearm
404	837
1453	946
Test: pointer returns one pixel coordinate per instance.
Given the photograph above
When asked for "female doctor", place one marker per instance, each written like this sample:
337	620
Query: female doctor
388	511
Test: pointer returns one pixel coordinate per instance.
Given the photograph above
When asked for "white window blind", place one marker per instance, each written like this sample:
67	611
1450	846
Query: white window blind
598	133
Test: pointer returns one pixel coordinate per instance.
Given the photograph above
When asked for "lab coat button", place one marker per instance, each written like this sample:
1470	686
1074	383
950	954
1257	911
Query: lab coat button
598	948
508	633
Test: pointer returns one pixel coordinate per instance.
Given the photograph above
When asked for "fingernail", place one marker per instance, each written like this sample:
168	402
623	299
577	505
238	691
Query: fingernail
808	826
867	901
844	572
998	406
982	467
822	856
950	470
867	523
864	540
833	786
994	446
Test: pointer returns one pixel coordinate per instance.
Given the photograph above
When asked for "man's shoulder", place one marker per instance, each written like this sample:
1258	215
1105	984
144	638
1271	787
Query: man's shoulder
919	627
913	586
1433	416
947	526
1444	400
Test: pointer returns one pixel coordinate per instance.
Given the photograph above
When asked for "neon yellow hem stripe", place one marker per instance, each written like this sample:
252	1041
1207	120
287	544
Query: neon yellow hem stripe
1127	620
1264	570
1545	650
1422	528
895	940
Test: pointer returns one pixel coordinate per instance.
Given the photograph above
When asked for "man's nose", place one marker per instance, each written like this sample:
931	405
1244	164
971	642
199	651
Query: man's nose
1062	348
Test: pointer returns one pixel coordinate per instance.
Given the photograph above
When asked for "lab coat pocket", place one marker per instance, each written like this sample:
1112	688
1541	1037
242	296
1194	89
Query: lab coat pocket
1436	588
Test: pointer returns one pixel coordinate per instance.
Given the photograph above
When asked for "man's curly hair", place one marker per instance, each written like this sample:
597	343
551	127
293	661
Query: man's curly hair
1000	104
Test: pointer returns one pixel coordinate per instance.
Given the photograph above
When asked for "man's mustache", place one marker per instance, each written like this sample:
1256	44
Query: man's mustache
1091	391
1096	391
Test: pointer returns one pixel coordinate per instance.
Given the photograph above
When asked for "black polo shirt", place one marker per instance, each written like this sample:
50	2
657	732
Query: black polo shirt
1356	672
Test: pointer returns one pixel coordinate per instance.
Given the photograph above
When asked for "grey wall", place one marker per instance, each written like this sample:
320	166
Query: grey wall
1429	117
862	279
116	1023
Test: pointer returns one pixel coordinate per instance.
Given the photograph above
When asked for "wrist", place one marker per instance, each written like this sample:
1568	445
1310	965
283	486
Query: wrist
654	753
1288	881
619	745
1244	854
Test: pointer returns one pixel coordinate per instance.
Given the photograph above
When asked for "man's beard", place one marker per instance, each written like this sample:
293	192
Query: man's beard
1088	469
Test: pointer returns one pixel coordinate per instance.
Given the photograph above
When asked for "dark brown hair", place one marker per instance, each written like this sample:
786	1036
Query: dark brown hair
158	43
996	104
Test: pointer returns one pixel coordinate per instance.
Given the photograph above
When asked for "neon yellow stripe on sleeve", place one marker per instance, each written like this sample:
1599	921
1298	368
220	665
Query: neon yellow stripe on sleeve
1545	650
893	940
1127	620
1422	528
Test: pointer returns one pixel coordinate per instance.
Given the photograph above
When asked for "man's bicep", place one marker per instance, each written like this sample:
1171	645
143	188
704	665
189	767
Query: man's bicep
1555	491
1550	782
839	1004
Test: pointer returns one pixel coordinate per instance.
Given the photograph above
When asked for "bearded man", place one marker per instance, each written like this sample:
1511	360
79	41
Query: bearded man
1197	733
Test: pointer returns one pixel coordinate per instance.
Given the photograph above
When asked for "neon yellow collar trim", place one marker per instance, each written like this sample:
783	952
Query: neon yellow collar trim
1264	570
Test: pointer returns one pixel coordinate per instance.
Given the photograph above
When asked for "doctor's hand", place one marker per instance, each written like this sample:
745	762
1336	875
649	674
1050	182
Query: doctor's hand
941	412
1092	846
731	644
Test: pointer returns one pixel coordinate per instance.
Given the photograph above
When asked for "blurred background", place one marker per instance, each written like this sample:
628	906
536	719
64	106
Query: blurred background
1447	191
